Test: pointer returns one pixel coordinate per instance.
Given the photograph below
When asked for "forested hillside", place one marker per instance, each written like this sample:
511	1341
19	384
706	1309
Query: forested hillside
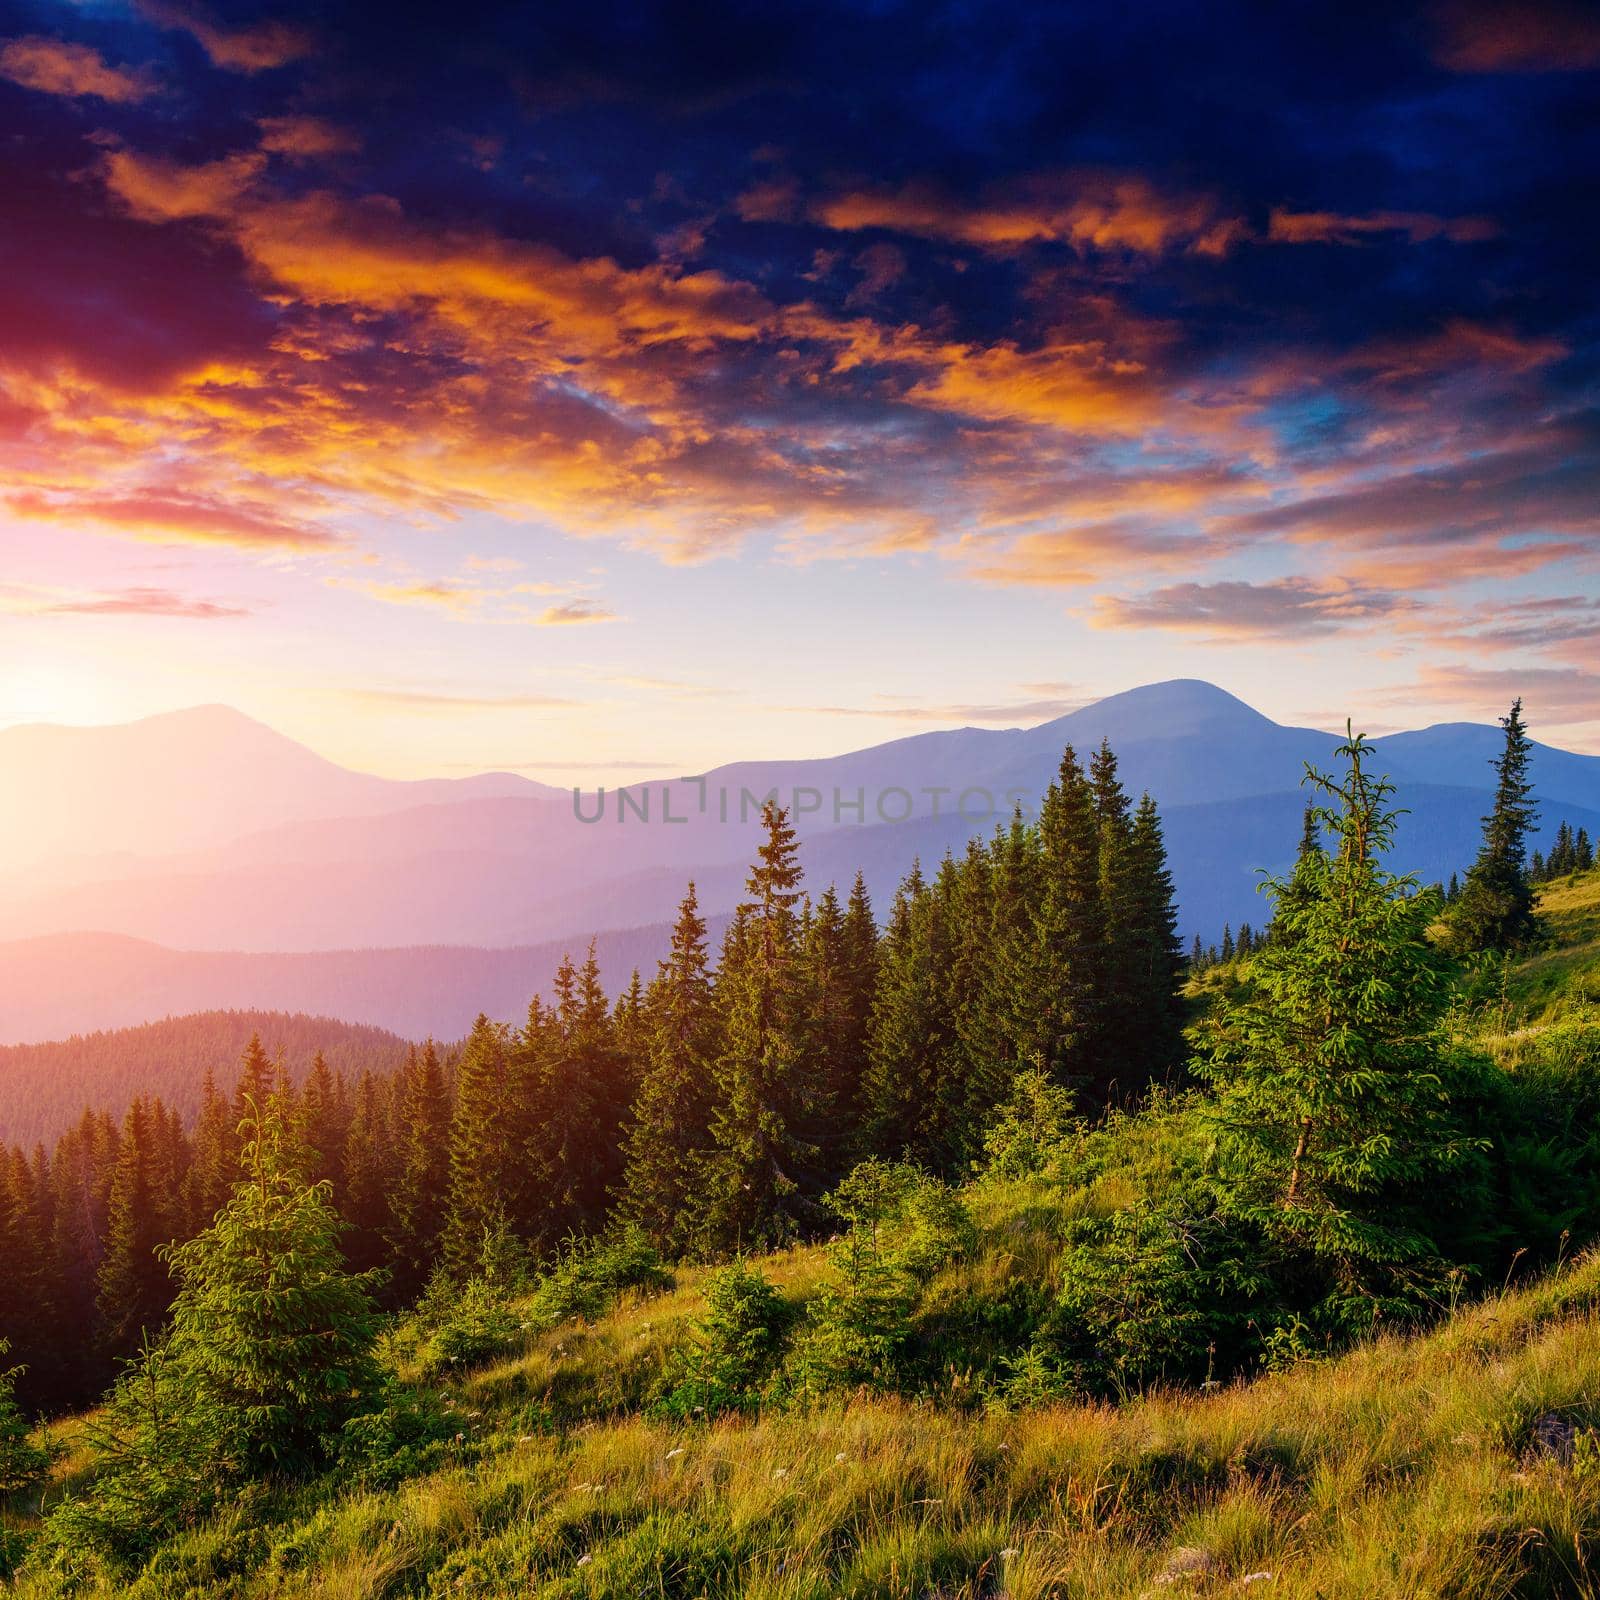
876	1262
44	1087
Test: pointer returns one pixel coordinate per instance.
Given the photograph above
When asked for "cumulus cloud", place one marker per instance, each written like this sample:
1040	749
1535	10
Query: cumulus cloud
55	66
258	47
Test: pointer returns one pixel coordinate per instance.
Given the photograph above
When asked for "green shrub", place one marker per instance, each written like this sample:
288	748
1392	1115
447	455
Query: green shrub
1034	1130
398	1439
1163	1290
588	1278
22	1461
731	1350
904	1228
474	1323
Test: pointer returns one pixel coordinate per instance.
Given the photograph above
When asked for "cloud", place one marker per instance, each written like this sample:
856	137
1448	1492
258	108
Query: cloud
1558	695
1087	210
259	47
156	190
1285	608
573	611
131	602
1517	36
425	700
54	66
173	517
1329	227
302	138
1010	713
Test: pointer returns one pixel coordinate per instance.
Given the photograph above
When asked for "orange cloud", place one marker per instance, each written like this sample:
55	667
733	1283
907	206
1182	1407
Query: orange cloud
1086	210
53	66
1517	36
154	190
173	517
573	611
257	48
305	138
1329	227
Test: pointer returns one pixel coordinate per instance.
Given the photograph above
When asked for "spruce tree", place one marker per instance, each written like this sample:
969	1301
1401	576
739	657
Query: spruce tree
669	1148
1495	910
1154	1045
482	1156
145	1213
416	1211
1062	980
765	1172
367	1177
1332	1071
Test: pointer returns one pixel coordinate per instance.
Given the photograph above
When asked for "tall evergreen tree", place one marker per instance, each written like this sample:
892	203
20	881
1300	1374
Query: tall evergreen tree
766	1175
145	1213
417	1207
670	1146
1495	908
1332	1072
1064	977
483	1160
1153	956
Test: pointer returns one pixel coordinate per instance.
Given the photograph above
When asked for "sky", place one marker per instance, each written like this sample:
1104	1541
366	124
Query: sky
624	388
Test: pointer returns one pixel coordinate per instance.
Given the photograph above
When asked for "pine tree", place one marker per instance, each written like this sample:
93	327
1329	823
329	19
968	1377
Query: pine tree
482	1156
271	1347
1332	1072
135	1287
213	1168
367	1177
765	1172
669	1148
573	1082
1227	951
1154	1046
1063	978
917	1096
1582	852
1495	910
416	1219
254	1084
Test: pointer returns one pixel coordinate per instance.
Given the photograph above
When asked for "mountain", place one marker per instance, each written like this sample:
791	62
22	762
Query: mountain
78	983
48	1085
185	779
239	843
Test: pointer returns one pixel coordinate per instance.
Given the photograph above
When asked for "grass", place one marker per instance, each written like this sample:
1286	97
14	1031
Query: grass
1407	1467
1402	1469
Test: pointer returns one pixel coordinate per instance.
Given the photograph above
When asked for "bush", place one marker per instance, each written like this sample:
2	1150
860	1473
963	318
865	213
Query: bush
22	1462
732	1349
904	1228
588	1278
472	1323
398	1439
1034	1130
1162	1290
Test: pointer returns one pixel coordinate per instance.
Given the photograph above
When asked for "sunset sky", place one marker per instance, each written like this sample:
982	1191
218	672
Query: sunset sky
618	388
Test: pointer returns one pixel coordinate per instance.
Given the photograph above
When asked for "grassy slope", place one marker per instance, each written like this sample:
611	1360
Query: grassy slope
1401	1469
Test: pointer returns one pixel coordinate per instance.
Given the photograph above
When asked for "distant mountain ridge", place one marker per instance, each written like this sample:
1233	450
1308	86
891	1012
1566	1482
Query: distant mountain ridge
45	1086
503	863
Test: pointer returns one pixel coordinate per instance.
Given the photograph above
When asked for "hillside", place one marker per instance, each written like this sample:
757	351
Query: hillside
1458	1462
1018	1387
43	1087
414	992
